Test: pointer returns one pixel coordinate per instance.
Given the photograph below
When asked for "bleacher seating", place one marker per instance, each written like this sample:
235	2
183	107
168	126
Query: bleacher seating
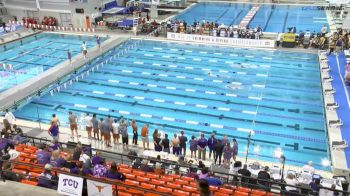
172	184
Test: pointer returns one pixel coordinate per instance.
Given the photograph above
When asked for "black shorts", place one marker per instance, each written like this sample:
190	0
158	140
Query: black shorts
125	140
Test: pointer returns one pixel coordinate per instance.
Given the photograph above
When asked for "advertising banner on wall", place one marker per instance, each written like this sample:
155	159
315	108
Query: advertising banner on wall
70	185
99	188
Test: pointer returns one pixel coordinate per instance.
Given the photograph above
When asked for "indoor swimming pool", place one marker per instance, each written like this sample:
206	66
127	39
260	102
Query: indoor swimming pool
271	18
35	54
230	91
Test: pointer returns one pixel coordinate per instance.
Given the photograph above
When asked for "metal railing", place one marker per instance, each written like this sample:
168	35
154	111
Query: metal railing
276	186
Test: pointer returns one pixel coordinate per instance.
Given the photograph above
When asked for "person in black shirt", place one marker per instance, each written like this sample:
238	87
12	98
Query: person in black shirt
264	175
183	140
245	173
165	143
218	148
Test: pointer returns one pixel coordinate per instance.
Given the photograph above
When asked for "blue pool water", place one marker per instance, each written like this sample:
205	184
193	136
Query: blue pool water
222	13
271	18
35	54
168	86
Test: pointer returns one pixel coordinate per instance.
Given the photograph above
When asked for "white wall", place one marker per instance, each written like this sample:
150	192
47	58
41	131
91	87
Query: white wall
79	20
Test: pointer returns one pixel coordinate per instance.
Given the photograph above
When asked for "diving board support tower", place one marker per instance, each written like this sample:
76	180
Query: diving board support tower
154	8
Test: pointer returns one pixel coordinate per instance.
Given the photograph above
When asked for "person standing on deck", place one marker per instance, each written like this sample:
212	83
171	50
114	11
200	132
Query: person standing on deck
134	131
73	122
69	56
9	117
98	41
88	125
84	48
95	127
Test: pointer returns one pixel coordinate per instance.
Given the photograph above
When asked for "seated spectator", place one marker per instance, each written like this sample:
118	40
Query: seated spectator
19	138
84	157
203	187
145	167
264	175
192	172
113	173
42	156
158	169
309	168
203	173
56	159
213	181
97	158
55	145
315	186
291	180
87	168
245	173
77	151
201	165
46	179
100	170
8	174
12	152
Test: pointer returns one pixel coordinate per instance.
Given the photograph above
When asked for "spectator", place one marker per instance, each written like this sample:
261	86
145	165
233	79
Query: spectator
192	172
235	149
264	175
211	145
203	187
166	144
113	173
193	147
201	165
77	168
95	127
156	141
73	122
183	141
77	151
203	173
42	155
17	130
19	137
8	174
175	143
46	179
245	173
56	159
145	167
55	145
315	186
218	148
309	168
201	147
123	130
291	180
88	124
158	169
12	152
144	135
85	156
134	132
213	181
115	127
6	131
100	169
97	158
9	116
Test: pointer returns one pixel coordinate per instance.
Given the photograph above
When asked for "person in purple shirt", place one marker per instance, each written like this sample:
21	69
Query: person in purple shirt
54	146
202	147
56	160
193	146
97	158
235	149
47	179
43	156
113	173
211	144
53	131
4	143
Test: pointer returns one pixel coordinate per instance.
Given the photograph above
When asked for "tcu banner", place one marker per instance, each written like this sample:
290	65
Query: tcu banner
70	185
99	188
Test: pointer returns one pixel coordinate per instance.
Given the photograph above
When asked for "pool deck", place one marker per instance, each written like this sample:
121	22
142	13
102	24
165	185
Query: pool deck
35	129
340	158
23	90
17	35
